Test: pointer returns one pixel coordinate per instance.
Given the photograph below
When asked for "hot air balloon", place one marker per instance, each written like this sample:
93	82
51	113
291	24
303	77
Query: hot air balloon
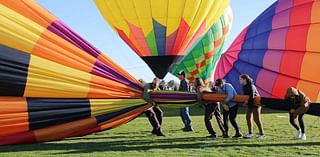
202	58
279	49
160	32
51	79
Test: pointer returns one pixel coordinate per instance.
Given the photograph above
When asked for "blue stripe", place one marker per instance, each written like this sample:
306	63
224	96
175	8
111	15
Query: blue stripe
160	35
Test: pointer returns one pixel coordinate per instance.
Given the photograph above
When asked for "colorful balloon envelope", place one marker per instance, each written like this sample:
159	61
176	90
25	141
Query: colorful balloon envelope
279	49
202	58
51	79
161	31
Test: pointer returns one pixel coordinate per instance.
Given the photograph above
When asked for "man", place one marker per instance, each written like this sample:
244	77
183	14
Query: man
184	112
154	114
230	108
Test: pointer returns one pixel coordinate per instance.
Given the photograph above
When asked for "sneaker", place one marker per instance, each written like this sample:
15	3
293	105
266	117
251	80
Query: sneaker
248	135
212	136
154	131
225	135
261	136
303	137
187	129
237	135
299	134
158	132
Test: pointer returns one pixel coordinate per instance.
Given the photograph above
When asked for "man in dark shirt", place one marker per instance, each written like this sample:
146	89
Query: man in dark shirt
184	112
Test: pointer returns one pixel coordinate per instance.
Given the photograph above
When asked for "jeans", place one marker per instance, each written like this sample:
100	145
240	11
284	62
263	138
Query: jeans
185	116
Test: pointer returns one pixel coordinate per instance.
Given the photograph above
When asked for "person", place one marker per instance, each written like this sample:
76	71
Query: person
230	109
154	114
250	89
184	112
212	108
299	105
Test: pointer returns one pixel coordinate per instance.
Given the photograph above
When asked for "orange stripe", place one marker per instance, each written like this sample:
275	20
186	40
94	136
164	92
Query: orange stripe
13	115
31	10
104	88
105	59
64	130
52	47
123	118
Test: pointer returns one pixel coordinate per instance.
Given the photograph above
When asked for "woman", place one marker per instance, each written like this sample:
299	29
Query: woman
250	89
210	110
299	105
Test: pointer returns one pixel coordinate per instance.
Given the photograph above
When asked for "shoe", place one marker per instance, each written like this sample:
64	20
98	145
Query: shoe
212	136
187	129
303	137
248	135
159	133
299	134
237	135
225	135
154	131
261	136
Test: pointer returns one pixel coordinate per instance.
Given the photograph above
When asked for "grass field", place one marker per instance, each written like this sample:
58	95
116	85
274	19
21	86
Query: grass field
135	139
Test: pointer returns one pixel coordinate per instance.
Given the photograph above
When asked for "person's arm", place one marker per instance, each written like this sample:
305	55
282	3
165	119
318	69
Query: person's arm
305	100
250	92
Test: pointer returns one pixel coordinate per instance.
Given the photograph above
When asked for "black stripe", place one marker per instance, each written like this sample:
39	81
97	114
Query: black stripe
108	116
48	112
13	71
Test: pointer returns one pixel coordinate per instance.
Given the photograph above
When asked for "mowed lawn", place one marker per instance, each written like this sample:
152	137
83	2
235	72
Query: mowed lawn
135	139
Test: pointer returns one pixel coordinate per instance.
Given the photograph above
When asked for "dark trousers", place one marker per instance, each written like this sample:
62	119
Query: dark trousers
231	115
301	123
154	115
210	110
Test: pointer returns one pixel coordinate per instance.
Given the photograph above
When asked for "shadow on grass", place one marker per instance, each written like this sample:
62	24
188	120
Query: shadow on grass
144	145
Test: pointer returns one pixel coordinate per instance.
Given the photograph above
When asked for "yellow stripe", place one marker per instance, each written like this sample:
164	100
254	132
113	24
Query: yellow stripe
50	79
159	11
190	10
103	106
112	13
143	11
175	11
17	31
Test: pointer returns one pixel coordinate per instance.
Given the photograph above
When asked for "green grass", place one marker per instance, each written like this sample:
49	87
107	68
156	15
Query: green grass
135	139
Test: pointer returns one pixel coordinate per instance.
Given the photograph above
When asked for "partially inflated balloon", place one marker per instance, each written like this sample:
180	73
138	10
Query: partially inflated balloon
161	31
50	79
203	57
279	49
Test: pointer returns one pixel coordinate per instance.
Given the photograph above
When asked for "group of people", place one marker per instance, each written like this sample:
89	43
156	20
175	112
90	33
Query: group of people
298	102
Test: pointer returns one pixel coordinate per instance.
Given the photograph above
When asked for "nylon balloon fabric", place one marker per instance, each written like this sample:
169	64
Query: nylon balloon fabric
279	49
53	83
161	32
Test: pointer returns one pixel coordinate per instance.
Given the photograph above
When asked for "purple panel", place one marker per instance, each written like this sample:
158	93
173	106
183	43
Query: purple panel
277	39
266	80
283	5
272	60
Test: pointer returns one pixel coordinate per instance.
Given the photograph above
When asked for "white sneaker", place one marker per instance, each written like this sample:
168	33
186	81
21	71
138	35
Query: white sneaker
303	137
299	134
261	136
248	135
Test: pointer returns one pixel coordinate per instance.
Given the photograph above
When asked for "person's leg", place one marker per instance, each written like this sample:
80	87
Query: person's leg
226	121
293	122
159	114
301	123
233	116
249	120
220	120
257	119
152	119
186	117
207	117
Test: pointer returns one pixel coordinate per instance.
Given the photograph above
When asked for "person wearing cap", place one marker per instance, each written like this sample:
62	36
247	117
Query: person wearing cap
154	114
212	108
251	90
299	104
230	109
184	112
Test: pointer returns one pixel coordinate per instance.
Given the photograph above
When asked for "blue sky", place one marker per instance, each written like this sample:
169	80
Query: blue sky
83	17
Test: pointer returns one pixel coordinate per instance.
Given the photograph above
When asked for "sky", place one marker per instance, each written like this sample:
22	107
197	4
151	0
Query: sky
84	18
